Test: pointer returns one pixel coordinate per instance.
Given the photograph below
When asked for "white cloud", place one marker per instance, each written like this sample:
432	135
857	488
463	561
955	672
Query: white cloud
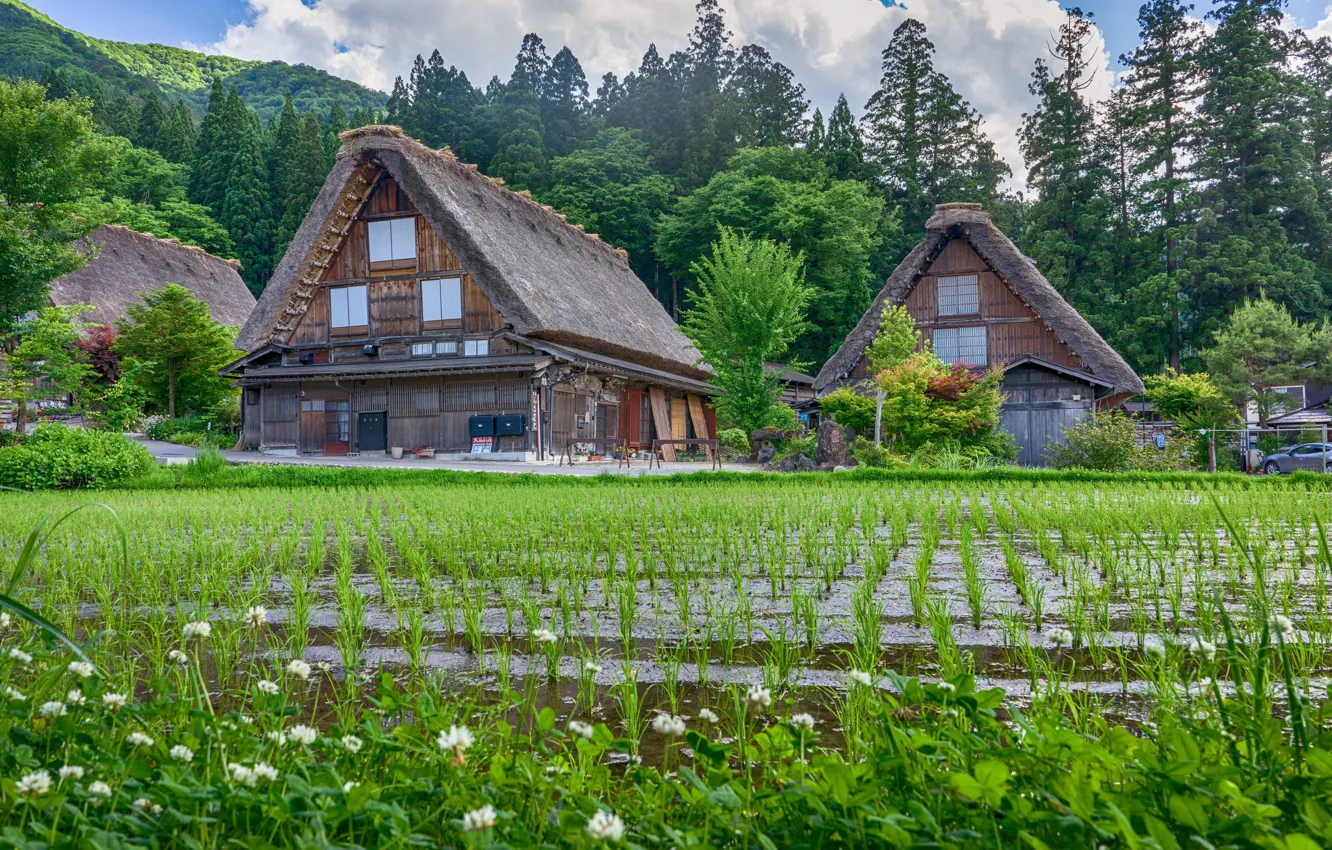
986	47
1324	27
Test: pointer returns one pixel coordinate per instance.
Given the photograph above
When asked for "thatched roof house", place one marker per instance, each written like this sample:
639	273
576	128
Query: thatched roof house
979	300
129	263
421	302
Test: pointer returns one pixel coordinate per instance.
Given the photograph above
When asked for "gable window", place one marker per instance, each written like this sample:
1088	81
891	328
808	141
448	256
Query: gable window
441	303
476	348
958	296
961	345
348	310
393	243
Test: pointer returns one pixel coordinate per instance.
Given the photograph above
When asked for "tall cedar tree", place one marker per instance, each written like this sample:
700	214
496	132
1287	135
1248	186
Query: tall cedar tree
176	139
152	115
245	209
520	156
307	169
564	106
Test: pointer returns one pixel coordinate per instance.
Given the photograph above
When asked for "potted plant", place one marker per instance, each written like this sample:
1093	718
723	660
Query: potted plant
396	452
424	452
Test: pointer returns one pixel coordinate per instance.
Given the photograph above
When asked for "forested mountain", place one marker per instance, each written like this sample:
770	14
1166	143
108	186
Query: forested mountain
33	46
1206	179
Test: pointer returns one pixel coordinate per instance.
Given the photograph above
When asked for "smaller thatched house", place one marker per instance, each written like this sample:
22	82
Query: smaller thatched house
978	300
423	305
129	263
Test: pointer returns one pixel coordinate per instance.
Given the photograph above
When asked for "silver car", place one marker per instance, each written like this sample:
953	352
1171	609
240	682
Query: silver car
1310	456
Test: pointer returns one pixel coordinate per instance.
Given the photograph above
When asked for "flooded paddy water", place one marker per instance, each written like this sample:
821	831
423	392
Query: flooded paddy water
613	601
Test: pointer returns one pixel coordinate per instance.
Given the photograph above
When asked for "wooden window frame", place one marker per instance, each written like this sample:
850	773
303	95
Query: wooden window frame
955	294
958	347
441	324
477	343
394	263
345	331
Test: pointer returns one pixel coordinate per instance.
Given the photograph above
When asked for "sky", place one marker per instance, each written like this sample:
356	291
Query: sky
986	47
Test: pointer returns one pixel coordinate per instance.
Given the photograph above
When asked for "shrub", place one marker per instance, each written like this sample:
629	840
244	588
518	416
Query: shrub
206	465
876	457
57	457
784	418
169	430
1104	443
735	440
850	409
796	447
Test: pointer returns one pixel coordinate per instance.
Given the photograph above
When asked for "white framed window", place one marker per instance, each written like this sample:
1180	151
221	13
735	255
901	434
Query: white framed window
446	348
423	349
965	345
958	296
441	300
348	307
476	348
392	240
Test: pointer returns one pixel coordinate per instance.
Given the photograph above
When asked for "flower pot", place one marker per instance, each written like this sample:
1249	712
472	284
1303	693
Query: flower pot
425	454
396	452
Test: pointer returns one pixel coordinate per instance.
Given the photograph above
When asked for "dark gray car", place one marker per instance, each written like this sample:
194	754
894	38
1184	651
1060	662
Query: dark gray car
1308	456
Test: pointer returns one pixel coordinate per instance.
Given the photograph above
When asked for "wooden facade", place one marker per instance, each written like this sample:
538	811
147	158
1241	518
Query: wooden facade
352	378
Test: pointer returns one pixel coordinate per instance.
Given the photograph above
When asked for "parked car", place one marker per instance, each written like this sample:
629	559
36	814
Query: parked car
1309	456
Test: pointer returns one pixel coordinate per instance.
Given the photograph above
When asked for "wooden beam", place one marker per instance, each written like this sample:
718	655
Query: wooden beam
661	417
696	414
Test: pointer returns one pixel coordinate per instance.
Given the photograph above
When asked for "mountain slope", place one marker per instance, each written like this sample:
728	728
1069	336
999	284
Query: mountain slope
31	44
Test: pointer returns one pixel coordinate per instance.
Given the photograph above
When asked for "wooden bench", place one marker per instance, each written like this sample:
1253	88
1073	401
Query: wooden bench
710	445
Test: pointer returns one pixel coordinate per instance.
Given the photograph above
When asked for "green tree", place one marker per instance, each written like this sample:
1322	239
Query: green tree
1263	347
564	106
47	363
176	139
893	345
302	171
179	346
750	307
520	150
52	169
787	195
152	115
929	403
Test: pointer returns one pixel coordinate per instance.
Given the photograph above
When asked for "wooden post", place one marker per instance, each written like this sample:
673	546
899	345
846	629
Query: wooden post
662	419
1211	451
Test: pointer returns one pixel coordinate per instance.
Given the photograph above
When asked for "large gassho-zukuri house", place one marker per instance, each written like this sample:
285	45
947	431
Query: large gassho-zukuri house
422	304
978	300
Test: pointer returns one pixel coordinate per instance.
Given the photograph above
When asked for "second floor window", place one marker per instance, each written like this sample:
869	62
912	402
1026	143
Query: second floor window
959	296
349	310
393	243
961	345
441	302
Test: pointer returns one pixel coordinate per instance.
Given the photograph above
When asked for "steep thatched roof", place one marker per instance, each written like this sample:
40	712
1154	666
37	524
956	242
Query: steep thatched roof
970	222
128	263
549	279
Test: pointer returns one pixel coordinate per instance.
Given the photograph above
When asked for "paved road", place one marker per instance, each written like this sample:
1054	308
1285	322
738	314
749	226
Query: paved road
171	453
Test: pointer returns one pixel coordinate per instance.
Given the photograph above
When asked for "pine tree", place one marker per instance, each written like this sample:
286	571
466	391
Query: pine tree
772	104
564	106
306	170
285	134
843	149
205	176
520	150
152	115
333	129
533	63
176	141
818	134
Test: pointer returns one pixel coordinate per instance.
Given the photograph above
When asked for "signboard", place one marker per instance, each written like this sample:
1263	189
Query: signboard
483	445
536	421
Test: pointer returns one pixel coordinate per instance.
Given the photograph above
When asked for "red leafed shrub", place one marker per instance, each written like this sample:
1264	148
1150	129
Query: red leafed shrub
96	343
952	384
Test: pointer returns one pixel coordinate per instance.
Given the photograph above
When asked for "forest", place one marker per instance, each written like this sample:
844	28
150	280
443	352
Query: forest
1204	180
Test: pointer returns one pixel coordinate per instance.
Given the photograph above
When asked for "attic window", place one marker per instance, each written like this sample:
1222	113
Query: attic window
961	345
393	243
349	311
958	296
441	303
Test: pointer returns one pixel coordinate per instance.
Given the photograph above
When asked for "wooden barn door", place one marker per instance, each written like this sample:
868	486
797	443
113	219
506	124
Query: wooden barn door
313	427
1038	426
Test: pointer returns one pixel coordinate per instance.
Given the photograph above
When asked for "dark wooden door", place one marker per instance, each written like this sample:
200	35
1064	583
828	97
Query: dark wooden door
372	432
1038	426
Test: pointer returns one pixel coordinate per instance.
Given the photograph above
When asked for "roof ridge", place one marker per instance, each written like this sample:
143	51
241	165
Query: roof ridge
392	132
173	241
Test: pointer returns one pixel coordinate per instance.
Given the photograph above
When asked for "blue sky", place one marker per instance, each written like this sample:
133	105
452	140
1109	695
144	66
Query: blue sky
177	22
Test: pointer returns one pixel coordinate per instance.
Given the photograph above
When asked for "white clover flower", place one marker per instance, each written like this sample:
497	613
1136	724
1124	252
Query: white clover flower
1059	638
544	636
860	677
708	715
302	735
242	775
255	617
139	739
591	667
20	656
803	721
201	629
605	826
267	687
146	806
1200	648
53	709
479	819
759	696
99	789
175	656
1154	649
298	668
14	693
82	669
668	725
71	771
352	744
75	697
1281	623
581	729
4	621
115	702
35	784
276	737
348	786
180	752
456	740
265	771
947	687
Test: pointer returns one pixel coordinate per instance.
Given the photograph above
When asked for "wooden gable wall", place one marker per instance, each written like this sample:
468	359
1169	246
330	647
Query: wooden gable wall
1013	329
394	294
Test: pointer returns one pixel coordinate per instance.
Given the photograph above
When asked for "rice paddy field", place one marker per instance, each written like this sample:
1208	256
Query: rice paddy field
682	630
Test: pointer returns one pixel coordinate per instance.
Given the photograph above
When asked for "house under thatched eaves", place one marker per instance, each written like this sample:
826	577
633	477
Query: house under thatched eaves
423	304
978	300
129	263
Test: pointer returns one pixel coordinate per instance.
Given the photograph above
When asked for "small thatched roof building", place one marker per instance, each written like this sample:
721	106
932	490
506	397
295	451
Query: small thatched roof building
980	301
129	263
